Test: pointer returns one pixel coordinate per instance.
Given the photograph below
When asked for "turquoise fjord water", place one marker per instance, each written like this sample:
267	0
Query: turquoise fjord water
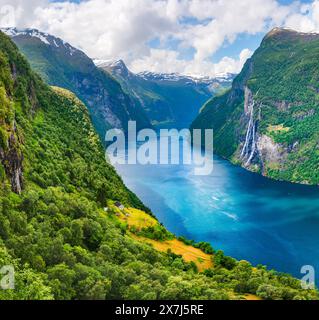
246	215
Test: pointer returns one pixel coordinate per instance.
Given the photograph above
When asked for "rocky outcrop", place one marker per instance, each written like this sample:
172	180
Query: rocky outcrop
270	152
12	160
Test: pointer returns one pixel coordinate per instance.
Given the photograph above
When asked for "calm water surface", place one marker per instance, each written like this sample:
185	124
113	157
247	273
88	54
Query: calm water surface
248	216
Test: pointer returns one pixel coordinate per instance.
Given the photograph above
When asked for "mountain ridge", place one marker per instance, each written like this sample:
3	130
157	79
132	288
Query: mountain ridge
114	94
120	64
169	100
62	65
267	121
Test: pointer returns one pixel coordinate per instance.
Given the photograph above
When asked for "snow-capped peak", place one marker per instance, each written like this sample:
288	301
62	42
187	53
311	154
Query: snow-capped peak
109	63
101	62
147	75
42	36
14	32
117	67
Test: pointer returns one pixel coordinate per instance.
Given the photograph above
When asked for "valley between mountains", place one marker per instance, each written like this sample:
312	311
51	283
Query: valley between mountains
69	225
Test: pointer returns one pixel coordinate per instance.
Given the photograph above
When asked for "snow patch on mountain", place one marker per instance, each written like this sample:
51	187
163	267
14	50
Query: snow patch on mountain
13	32
42	36
117	67
180	77
172	77
55	43
109	63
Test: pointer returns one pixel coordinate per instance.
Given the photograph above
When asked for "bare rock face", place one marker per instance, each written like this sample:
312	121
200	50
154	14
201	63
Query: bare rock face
111	118
270	152
249	101
12	159
15	160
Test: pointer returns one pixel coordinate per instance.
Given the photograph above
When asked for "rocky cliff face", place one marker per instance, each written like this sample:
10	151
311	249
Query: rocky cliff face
11	144
268	122
12	160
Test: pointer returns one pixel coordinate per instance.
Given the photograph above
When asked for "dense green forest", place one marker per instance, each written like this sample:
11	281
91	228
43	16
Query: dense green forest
283	79
54	230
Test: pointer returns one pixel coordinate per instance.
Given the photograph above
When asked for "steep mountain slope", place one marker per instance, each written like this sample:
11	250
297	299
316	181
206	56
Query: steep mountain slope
62	65
169	99
268	122
54	228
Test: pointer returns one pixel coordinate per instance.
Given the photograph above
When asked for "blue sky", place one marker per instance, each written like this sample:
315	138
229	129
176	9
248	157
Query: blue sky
198	37
247	41
229	49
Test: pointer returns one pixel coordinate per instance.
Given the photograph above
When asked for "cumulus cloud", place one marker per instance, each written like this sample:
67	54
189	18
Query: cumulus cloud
19	13
127	29
306	19
169	59
228	19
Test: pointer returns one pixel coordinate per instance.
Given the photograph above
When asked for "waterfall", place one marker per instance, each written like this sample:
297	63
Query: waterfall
253	149
249	132
250	145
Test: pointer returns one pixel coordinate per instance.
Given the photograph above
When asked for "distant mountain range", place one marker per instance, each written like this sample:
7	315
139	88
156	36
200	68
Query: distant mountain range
208	81
169	100
113	94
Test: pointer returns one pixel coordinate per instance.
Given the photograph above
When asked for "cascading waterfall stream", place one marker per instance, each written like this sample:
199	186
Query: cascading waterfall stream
252	153
249	131
249	149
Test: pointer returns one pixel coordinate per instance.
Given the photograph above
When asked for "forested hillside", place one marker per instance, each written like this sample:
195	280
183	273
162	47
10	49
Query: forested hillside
55	228
62	65
268	121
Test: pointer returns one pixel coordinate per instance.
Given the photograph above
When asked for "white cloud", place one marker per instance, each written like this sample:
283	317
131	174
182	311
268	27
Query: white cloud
109	29
231	65
306	20
19	13
228	19
158	58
